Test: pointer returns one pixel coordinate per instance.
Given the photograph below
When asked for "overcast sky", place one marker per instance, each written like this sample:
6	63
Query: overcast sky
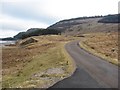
20	15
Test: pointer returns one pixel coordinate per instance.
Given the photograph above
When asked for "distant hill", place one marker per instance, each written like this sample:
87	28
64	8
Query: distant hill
64	24
32	32
110	19
83	25
75	26
35	32
7	39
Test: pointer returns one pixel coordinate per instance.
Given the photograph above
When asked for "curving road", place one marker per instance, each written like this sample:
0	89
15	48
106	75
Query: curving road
91	72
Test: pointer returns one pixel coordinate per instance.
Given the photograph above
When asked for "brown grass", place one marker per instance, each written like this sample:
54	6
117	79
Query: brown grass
104	45
20	63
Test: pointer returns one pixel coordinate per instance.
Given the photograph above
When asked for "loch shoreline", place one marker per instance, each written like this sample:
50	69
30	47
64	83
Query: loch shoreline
4	43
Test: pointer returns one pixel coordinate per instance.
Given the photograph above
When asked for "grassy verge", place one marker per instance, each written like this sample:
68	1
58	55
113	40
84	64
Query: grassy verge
37	65
102	45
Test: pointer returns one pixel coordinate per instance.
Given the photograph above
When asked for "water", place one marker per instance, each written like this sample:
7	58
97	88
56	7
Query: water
3	43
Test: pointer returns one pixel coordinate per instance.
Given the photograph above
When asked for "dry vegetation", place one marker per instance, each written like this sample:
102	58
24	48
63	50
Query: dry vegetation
39	64
104	45
45	62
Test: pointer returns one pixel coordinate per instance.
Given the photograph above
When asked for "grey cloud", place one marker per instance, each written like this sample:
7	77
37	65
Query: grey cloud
11	27
26	13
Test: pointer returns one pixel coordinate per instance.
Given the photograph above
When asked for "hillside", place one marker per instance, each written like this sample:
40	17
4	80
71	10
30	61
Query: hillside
87	25
110	19
36	32
7	39
74	26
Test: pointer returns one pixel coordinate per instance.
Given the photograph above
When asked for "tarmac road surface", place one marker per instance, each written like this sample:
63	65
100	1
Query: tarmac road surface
91	72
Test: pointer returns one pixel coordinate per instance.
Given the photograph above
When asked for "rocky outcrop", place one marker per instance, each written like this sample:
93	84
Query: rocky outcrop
28	41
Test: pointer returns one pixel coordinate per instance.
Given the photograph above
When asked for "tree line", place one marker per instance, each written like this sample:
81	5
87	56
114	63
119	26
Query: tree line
36	32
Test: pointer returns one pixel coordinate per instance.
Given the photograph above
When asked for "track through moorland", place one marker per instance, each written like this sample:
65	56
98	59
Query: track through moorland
91	72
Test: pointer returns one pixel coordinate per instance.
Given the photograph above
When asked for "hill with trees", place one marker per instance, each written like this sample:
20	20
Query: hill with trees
36	32
110	19
82	25
7	39
74	26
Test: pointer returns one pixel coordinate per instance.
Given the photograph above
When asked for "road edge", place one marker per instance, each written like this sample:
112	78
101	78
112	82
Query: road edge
73	65
72	60
83	46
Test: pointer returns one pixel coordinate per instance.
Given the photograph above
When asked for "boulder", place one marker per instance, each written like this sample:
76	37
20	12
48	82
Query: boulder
28	41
